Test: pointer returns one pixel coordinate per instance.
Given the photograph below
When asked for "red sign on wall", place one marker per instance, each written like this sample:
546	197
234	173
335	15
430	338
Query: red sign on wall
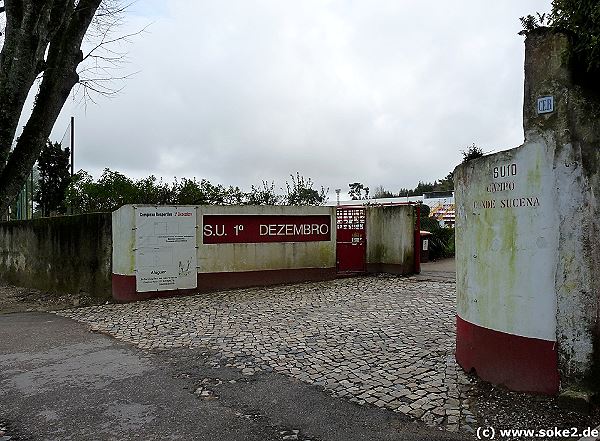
265	228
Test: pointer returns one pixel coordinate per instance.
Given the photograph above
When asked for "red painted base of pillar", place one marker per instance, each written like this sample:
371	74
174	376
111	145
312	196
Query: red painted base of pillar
520	363
123	286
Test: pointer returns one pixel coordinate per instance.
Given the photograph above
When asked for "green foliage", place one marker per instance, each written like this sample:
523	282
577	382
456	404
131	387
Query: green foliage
422	187
581	19
203	192
445	184
114	189
192	192
54	178
472	152
263	195
531	22
153	192
301	192
381	193
235	196
356	191
441	242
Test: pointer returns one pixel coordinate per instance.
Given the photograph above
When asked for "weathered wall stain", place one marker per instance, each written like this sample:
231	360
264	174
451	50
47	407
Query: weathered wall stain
233	257
68	254
390	239
528	250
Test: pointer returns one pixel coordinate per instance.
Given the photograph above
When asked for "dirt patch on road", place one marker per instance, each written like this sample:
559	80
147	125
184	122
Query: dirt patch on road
500	408
18	299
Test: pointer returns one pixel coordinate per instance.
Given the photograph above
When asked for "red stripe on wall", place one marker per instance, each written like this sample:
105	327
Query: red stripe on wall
123	286
519	363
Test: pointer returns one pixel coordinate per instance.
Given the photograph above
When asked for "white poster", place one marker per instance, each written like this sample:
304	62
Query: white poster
165	248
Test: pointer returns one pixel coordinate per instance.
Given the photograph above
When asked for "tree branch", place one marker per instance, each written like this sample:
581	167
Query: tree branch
42	43
64	55
105	42
24	45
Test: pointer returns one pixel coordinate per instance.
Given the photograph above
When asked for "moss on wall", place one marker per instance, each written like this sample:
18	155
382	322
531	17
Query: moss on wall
67	254
390	239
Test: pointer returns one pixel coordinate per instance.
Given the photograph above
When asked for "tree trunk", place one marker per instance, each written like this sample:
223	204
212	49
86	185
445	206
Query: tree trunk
40	22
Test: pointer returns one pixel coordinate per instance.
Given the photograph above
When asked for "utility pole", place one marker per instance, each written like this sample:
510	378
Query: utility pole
72	145
32	193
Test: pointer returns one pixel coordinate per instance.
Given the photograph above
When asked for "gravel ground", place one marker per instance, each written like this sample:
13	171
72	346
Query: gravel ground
500	408
17	299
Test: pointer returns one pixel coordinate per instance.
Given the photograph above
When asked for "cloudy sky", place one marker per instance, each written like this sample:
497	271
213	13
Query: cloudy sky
238	91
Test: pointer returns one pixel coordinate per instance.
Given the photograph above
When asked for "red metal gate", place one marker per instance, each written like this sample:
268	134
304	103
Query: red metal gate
351	242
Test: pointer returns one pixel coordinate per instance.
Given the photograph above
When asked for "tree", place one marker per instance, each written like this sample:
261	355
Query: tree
114	189
41	40
300	192
54	178
356	189
581	20
233	196
111	191
445	184
192	192
80	193
382	193
263	195
152	192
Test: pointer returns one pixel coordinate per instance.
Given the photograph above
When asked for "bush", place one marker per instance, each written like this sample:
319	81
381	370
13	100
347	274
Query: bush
441	241
581	20
472	152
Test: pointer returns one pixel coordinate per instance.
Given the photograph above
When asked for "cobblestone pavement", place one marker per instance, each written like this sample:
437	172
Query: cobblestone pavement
386	341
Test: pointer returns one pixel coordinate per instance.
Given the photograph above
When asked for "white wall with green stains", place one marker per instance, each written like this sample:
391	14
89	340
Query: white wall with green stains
506	241
233	257
390	235
265	256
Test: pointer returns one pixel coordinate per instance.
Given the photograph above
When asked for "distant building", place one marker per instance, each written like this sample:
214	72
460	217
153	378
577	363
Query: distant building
441	204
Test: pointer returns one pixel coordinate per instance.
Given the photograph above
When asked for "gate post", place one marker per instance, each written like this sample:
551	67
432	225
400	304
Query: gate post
418	239
527	235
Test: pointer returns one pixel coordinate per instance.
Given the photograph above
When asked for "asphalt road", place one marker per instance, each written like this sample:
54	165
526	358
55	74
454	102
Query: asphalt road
58	381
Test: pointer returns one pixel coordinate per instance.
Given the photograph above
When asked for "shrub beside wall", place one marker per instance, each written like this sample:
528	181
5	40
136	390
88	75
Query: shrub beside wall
441	242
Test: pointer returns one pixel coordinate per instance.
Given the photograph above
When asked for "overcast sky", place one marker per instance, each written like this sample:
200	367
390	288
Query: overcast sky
239	91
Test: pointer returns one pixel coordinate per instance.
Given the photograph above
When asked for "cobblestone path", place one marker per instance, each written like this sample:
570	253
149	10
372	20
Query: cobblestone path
386	341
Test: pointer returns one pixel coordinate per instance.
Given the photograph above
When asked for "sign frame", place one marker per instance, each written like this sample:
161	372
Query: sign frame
545	104
165	248
265	228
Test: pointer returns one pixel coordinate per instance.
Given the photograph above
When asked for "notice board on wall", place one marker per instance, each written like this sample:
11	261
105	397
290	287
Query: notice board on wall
165	248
